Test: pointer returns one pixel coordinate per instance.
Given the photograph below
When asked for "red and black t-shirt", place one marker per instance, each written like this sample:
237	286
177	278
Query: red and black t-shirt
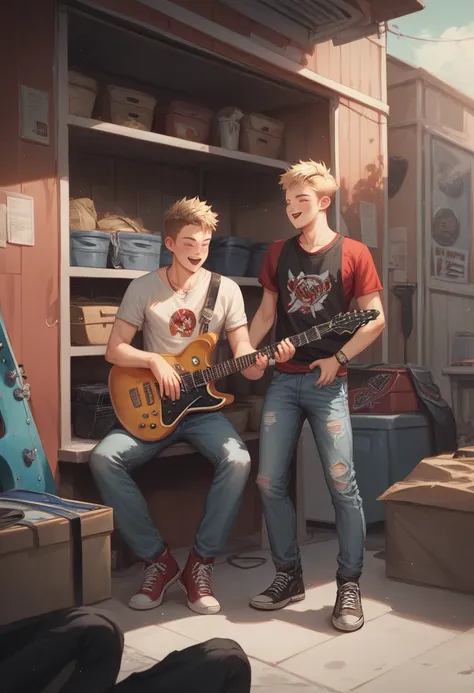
313	288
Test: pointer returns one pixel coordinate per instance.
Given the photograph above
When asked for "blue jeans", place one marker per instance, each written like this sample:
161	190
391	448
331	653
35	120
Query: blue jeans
119	454
292	398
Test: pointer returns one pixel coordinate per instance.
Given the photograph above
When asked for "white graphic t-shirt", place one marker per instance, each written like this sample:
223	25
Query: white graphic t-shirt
168	320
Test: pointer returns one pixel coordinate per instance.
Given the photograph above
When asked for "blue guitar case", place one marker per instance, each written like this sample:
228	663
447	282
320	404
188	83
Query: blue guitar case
23	463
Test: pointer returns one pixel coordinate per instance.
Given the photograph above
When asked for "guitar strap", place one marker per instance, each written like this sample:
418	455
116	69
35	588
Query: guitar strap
210	302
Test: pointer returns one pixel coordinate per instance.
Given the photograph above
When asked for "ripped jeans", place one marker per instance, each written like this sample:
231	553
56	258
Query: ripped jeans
119	454
292	398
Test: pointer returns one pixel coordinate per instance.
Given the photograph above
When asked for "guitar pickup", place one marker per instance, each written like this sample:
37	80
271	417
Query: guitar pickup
135	397
150	399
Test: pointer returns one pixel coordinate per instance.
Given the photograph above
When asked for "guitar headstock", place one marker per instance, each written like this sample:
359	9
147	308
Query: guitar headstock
350	322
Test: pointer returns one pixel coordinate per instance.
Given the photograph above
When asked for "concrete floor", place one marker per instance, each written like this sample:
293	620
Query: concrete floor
414	638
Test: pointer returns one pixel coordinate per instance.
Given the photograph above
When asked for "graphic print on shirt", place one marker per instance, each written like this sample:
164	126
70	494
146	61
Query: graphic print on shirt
308	292
182	322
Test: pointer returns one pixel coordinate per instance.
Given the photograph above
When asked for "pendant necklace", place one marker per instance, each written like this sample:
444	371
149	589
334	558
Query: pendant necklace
183	294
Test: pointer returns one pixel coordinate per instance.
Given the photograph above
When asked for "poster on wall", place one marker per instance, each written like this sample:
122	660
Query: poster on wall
34	115
450	213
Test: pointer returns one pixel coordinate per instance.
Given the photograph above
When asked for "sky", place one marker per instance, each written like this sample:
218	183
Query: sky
441	19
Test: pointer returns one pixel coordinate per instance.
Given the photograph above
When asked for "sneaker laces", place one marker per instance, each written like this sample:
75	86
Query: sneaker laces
349	593
150	575
202	573
279	584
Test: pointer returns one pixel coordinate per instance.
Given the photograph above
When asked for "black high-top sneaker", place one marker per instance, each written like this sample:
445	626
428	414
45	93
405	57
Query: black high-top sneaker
348	615
287	587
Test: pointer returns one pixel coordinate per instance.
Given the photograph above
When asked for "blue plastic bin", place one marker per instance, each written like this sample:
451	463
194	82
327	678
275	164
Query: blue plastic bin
257	253
386	450
89	248
229	256
166	256
139	251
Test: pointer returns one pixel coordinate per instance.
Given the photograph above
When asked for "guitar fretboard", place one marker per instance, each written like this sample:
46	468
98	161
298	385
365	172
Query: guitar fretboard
225	368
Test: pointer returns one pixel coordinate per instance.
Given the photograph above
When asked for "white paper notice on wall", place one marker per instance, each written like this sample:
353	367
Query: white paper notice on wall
398	254
34	115
368	224
20	220
3	226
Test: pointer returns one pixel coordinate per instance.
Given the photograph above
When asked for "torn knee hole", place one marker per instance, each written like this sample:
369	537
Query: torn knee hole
263	482
334	427
269	418
338	472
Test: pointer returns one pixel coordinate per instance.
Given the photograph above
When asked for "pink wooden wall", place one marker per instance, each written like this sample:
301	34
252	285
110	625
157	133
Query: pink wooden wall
362	177
29	275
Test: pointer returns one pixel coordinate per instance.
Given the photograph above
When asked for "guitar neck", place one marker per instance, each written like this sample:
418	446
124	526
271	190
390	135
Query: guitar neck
225	368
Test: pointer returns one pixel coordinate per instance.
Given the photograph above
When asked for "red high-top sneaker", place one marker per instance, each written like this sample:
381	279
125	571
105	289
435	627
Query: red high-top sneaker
196	582
158	575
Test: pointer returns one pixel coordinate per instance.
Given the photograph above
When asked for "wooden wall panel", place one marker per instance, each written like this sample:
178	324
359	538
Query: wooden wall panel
449	314
362	173
402	212
29	276
356	64
402	100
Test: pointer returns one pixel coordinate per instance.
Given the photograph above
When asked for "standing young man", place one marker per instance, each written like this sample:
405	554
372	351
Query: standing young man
168	306
307	280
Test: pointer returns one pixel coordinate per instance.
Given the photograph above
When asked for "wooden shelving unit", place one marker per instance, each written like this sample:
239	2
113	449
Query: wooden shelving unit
118	141
97	273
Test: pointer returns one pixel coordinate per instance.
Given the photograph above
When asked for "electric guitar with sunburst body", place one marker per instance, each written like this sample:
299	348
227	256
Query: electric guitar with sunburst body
146	415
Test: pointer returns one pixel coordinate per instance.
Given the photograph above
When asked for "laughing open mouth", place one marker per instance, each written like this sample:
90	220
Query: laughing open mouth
295	216
194	261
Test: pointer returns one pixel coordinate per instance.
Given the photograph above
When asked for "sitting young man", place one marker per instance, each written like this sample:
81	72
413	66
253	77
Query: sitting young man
80	651
307	280
168	305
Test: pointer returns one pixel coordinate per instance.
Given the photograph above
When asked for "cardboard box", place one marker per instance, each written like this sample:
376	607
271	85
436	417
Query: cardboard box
430	524
53	562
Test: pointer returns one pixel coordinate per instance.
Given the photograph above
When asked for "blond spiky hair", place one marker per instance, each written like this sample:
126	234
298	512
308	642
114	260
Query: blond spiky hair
312	173
193	211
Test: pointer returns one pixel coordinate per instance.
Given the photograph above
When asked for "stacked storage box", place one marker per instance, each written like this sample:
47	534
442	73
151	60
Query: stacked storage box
261	135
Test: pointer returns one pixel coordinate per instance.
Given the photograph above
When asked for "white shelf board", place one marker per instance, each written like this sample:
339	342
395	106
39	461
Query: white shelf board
79	451
88	350
99	273
459	370
119	141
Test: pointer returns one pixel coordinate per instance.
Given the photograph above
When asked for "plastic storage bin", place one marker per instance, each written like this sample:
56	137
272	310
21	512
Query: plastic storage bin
131	108
166	256
261	135
229	256
386	450
185	120
82	94
257	253
138	251
89	248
